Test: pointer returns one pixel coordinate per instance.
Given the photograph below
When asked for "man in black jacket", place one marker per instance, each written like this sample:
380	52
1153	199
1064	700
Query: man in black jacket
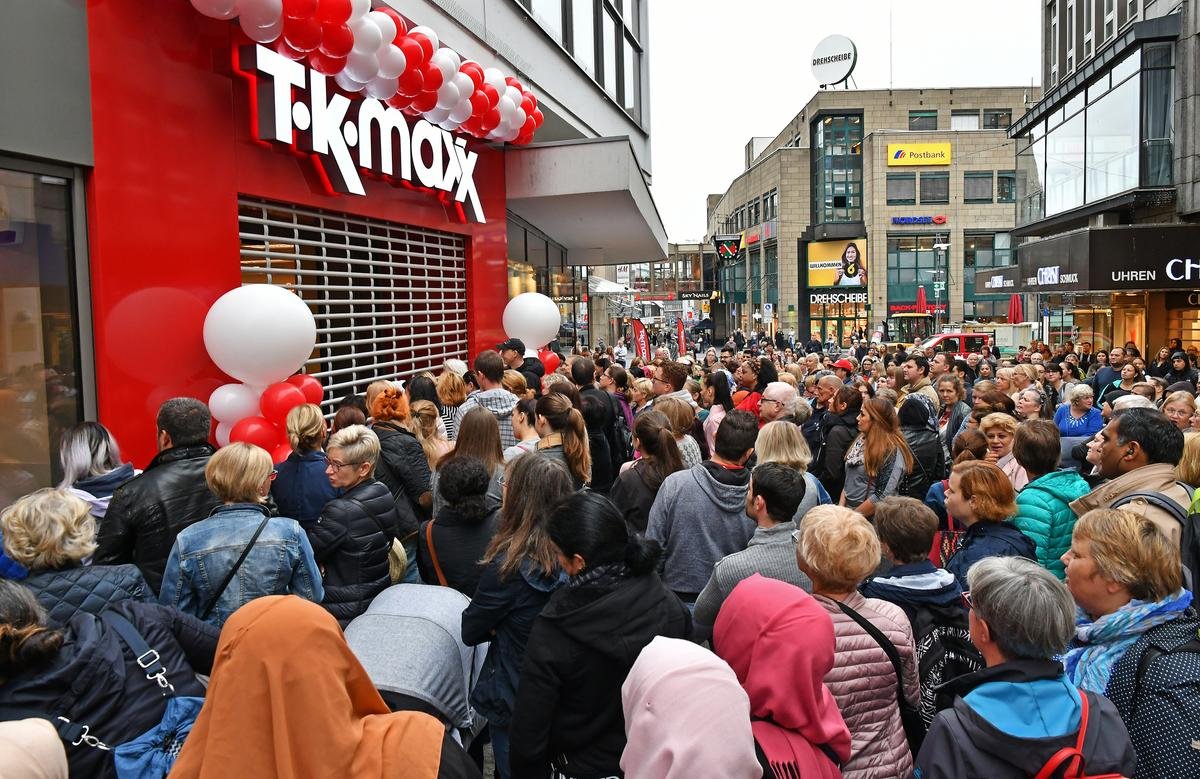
512	352
149	510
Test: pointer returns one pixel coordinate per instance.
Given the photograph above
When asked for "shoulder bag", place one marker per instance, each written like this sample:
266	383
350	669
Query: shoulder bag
216	596
437	566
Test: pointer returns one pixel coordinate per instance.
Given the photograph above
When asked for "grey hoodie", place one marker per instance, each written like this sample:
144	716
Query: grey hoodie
699	519
501	403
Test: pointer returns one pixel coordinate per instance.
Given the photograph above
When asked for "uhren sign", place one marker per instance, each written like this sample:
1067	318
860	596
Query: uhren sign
297	108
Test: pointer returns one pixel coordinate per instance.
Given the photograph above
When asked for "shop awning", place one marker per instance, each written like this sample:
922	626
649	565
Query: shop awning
590	196
601	286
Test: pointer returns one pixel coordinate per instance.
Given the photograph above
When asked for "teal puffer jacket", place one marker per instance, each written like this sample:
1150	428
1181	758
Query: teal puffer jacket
1044	514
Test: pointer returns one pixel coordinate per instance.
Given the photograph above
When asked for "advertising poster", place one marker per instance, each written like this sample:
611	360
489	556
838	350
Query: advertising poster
838	263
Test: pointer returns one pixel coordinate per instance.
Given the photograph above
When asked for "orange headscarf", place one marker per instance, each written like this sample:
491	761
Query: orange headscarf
289	699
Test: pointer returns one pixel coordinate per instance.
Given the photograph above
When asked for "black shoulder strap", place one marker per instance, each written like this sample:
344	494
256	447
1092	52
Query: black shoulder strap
216	596
1158	500
72	733
888	647
144	655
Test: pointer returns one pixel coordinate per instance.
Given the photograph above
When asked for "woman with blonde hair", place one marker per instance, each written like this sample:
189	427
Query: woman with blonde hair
1001	431
837	549
564	436
300	489
1188	469
782	442
514	382
239	552
981	497
641	395
403	467
877	459
682	418
423	421
1179	407
451	392
51	533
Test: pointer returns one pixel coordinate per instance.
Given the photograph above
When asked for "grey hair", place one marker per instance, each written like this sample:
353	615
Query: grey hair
1132	401
87	449
787	393
1080	391
1030	613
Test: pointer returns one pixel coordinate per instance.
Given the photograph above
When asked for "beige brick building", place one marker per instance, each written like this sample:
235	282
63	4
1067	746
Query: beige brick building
828	179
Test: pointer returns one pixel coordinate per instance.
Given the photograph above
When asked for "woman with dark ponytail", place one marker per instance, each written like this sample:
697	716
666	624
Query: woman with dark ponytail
88	675
637	486
564	436
568	715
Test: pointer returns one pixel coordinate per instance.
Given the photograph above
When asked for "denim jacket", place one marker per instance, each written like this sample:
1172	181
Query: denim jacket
280	563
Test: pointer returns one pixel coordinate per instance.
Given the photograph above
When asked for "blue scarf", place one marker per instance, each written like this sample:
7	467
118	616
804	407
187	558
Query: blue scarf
1102	642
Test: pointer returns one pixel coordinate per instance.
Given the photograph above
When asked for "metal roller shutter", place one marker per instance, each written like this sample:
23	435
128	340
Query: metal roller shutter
389	299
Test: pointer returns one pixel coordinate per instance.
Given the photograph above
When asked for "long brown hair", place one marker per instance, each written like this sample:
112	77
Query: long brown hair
883	436
566	420
656	442
479	437
533	486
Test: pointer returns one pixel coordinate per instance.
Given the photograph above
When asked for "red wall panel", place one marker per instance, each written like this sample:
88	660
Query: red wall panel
173	151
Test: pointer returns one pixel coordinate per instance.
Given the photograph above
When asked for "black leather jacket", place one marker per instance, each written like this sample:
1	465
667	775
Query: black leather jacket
149	510
350	541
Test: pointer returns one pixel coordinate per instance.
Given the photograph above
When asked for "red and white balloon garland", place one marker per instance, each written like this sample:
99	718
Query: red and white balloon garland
375	52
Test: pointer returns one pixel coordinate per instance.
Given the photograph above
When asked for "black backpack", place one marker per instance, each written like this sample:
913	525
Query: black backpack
622	435
1189	541
944	652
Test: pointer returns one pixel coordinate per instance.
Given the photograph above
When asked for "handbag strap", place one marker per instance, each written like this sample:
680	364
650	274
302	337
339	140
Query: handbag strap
1071	757
437	567
216	596
888	647
144	655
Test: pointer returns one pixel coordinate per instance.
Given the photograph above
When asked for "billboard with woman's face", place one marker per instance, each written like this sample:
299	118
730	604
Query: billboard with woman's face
838	263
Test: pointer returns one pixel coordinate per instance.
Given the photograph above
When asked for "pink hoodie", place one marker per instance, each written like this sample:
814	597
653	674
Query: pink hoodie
779	642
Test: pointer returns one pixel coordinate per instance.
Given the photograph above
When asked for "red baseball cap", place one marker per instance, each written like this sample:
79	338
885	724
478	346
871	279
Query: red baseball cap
844	364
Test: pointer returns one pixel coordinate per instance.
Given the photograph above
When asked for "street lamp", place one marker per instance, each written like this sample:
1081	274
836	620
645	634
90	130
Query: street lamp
938	283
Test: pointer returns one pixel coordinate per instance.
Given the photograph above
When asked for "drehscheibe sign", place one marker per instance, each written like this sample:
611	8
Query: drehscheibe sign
833	60
296	107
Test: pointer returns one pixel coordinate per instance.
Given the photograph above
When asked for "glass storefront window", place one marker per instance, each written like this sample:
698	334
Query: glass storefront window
1064	166
1112	142
583	35
837	188
39	355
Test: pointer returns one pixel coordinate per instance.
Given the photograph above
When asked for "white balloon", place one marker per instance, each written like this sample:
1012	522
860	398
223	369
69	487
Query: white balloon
495	77
437	115
362	66
533	318
261	13
217	9
223	431
261	34
513	94
359	9
428	33
382	88
391	61
386	25
449	56
518	119
232	403
448	96
461	112
347	83
466	87
449	125
367	35
259	333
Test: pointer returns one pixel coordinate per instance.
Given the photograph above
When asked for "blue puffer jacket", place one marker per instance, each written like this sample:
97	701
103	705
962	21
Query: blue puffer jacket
1044	514
301	487
989	539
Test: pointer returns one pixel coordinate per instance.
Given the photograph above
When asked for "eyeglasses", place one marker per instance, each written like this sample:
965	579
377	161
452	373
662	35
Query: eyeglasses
967	600
770	400
336	465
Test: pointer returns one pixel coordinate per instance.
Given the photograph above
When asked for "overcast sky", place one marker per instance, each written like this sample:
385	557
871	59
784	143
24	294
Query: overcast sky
723	71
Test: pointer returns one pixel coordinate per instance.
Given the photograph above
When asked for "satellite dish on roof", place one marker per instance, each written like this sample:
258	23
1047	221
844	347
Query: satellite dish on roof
833	60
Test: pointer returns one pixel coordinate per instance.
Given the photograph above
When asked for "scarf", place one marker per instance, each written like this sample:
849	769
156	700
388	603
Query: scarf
1102	642
856	455
603	575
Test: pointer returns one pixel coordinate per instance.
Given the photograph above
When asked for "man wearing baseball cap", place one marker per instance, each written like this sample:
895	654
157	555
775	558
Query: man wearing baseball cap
512	351
843	368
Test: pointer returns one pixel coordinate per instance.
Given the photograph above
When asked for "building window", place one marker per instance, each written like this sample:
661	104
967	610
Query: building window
901	189
583	34
1089	21
997	118
837	181
1110	20
913	262
771	272
981	253
922	120
1111	145
632	78
1071	27
770	203
550	14
1006	186
977	186
1054	42
964	120
1158	90
935	187
755	216
1134	9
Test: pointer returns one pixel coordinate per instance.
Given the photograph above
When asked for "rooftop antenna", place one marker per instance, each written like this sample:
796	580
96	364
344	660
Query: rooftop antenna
891	5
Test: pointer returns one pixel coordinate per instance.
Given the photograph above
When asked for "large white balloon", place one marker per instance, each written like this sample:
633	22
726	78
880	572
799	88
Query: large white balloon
428	33
359	9
261	13
362	66
448	96
259	333
216	9
222	433
532	317
367	35
391	61
386	25
347	83
495	77
261	34
382	88
232	403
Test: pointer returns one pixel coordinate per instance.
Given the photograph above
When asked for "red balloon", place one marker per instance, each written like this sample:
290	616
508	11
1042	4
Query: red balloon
550	359
474	72
399	101
277	400
479	103
512	82
538	116
334	11
432	76
491	120
283	48
337	40
299	9
492	94
414	55
257	431
532	98
401	25
522	139
426	44
312	389
530	127
322	63
527	106
303	34
426	101
280	453
411	82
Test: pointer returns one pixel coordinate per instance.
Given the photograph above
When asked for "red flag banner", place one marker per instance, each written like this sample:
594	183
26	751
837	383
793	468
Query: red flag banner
641	339
682	338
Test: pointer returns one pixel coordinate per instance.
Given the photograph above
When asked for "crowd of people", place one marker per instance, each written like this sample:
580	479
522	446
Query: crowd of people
740	562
